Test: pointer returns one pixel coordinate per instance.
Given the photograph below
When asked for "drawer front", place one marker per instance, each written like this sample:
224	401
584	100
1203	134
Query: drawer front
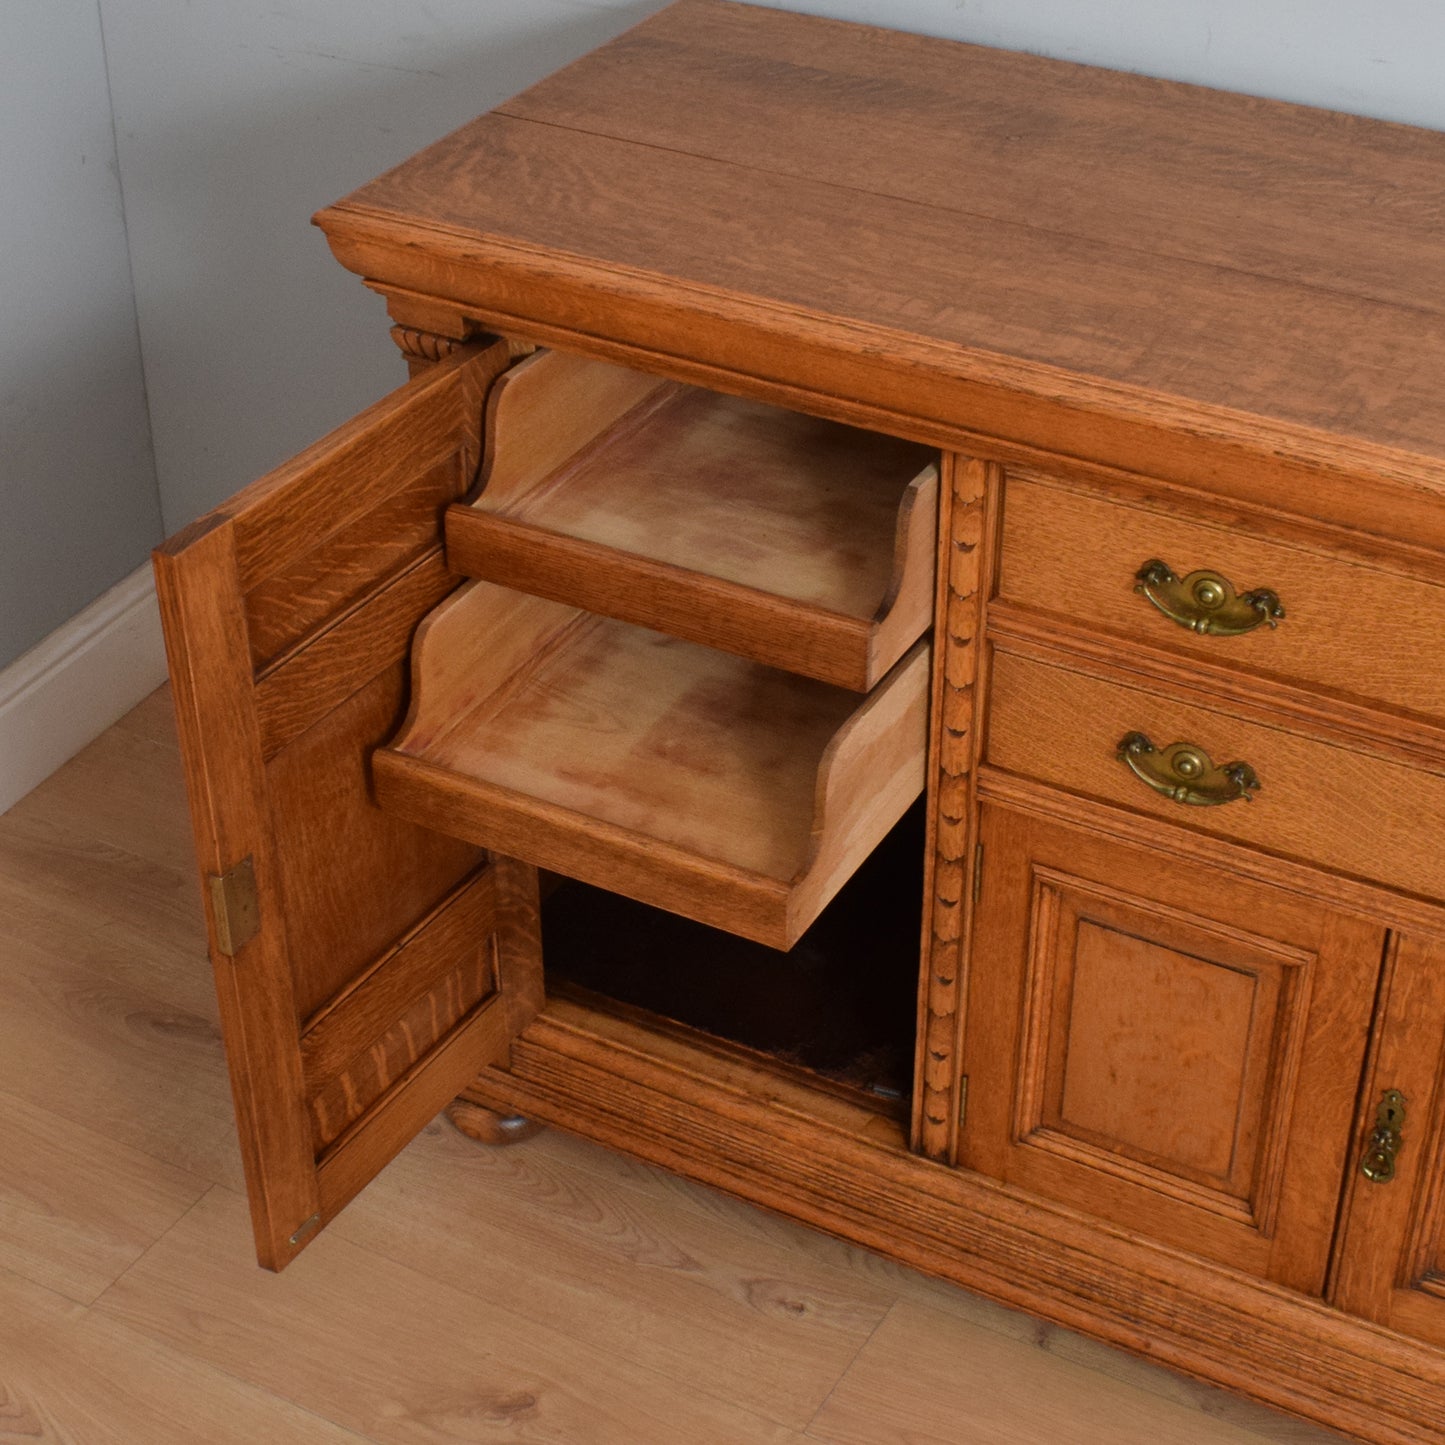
1059	720
1362	632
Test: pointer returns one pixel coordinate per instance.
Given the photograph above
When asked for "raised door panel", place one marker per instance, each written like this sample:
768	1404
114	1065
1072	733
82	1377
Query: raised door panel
1164	1046
366	967
1391	1265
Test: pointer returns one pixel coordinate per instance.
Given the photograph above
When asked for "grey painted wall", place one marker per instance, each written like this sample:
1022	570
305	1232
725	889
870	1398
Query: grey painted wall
235	119
1384	58
255	340
78	505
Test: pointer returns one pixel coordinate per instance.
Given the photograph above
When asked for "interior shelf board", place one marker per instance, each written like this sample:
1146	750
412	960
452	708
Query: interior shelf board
688	778
788	538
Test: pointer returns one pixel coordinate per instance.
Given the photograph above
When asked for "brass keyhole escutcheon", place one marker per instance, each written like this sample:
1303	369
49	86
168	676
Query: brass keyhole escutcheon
1383	1145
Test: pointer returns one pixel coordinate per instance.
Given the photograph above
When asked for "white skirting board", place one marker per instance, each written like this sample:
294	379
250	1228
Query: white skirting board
67	690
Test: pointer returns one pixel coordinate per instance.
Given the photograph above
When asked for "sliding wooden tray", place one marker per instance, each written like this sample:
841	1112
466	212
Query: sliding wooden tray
697	781
798	542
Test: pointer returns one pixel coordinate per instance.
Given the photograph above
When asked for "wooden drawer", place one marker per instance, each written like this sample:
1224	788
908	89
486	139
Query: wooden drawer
797	542
1361	631
697	781
1060	719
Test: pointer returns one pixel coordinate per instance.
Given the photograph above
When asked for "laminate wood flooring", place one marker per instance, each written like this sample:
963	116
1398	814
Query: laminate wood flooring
549	1292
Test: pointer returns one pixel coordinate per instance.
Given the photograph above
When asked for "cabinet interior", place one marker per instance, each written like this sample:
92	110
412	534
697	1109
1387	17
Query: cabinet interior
838	1009
796	541
690	679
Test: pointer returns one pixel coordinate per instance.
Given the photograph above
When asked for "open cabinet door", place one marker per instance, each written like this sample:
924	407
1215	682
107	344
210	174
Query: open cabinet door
366	968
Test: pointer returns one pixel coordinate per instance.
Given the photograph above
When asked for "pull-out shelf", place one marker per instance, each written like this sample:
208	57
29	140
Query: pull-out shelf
797	542
691	779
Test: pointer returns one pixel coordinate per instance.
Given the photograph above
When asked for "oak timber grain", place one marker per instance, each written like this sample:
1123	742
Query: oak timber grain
363	879
384	450
365	1008
1391	1256
357	644
548	408
1359	897
790	540
199	589
1165	1046
1337	201
1048	302
339	1099
406	1094
343	567
1355	628
967	527
1027	278
277	767
729	792
1102	338
1259	1340
725	1301
1058	717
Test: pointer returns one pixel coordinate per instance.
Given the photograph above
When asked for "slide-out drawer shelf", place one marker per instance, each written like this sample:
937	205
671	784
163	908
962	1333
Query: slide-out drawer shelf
727	791
795	541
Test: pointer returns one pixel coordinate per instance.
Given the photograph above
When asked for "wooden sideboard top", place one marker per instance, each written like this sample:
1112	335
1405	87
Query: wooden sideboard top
1129	270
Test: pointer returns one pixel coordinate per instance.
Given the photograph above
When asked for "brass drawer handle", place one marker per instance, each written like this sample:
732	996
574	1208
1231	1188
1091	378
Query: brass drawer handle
1184	773
1378	1165
1205	602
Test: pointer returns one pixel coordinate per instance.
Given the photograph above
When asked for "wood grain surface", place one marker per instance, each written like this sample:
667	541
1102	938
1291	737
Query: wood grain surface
277	772
785	538
694	780
1355	628
1059	718
1165	1046
1123	250
554	1292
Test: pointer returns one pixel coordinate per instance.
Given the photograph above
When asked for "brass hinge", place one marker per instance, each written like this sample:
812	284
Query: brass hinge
303	1229
235	907
977	871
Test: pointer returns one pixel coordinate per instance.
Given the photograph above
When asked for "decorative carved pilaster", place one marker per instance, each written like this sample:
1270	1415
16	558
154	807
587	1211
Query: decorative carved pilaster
422	349
957	703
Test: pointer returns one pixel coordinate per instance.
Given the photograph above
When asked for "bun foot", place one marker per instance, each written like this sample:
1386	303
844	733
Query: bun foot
488	1127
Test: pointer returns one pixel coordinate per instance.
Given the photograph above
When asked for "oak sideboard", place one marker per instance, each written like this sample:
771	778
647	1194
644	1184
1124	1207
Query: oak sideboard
887	659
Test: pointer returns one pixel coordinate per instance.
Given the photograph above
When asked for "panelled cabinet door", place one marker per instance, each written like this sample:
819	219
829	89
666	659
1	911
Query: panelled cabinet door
1165	1046
1392	1241
366	968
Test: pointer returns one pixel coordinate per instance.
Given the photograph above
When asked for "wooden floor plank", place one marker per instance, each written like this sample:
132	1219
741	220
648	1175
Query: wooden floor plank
125	790
552	1292
76	1207
70	1378
748	1229
398	1357
708	1307
86	1042
931	1378
972	1312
